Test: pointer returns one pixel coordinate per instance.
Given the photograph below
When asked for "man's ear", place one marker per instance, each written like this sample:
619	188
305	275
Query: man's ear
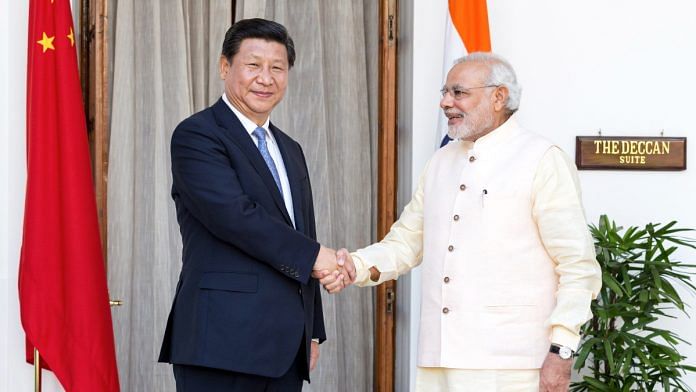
224	67
500	96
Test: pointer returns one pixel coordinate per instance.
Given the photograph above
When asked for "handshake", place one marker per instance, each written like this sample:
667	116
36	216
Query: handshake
335	270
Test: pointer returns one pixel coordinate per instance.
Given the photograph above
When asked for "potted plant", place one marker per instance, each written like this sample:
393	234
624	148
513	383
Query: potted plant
623	349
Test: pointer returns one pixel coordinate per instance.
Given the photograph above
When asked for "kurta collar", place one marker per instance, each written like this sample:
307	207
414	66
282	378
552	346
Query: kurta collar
495	138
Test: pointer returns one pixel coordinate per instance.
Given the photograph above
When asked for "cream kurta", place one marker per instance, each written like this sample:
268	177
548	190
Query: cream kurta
509	264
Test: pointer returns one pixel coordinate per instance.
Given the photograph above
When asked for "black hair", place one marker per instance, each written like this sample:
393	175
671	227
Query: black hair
257	28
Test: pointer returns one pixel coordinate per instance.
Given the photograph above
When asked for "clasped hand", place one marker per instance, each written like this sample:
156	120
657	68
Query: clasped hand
334	269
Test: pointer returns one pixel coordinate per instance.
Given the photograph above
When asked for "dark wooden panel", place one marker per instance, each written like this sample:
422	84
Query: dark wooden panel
630	153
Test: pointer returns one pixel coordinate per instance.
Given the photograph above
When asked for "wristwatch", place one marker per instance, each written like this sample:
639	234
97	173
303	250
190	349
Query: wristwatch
562	351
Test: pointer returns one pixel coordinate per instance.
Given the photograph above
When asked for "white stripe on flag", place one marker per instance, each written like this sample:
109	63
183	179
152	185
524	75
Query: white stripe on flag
454	49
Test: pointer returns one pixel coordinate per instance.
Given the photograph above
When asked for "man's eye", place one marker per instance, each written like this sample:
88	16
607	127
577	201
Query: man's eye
458	93
253	65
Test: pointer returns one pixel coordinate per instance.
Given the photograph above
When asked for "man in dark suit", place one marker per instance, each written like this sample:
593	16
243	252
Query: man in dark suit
247	312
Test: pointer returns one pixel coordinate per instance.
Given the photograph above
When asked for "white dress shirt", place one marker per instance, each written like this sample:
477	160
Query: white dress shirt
273	149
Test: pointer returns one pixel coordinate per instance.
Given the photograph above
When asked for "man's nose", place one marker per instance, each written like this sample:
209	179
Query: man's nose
446	101
264	77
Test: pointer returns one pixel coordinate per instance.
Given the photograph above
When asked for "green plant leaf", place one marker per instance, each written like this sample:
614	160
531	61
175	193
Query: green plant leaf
688	368
672	294
609	280
609	355
597	385
583	352
682	242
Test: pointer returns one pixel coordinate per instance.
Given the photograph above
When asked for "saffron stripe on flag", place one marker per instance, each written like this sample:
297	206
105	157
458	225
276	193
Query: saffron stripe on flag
466	31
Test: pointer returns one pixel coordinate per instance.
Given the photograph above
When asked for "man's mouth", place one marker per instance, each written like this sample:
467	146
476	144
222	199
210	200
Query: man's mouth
454	115
263	94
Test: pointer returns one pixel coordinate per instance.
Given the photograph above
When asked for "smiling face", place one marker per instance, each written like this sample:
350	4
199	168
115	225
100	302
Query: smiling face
473	108
256	80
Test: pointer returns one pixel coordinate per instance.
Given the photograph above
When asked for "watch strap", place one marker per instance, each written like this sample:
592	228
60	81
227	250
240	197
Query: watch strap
556	349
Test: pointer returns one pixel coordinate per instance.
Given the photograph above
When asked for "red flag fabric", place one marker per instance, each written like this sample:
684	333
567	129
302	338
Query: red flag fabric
63	297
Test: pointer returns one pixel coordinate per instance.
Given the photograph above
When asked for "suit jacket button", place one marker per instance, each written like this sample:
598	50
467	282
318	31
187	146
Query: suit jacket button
450	248
445	310
300	290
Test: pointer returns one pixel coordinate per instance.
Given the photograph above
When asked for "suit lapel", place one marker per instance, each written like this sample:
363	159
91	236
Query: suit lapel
227	119
296	173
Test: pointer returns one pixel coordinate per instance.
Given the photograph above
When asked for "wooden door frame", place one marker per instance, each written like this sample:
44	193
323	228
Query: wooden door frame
94	74
385	298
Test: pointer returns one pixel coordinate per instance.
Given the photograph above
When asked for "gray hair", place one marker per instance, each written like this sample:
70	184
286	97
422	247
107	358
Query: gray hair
500	74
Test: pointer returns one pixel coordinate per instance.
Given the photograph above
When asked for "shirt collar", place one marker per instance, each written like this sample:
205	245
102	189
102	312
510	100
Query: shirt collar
248	125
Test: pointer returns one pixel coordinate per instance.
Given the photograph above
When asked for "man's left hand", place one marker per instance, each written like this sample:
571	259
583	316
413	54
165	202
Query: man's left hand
555	374
342	278
313	355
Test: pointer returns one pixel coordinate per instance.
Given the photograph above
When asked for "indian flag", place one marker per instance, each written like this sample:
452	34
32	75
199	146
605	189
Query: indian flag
466	31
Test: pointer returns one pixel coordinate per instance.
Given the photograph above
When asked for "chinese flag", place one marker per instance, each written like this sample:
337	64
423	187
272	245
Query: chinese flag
63	296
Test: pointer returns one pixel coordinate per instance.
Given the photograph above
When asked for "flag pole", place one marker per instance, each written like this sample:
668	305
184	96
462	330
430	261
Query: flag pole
37	371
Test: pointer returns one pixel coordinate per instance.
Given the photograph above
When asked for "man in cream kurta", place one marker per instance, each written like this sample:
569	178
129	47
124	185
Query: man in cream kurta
508	264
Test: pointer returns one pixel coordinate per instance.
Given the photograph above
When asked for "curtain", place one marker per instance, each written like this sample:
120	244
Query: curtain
165	57
330	108
164	69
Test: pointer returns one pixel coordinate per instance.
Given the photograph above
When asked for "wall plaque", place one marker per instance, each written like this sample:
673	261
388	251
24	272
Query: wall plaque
630	153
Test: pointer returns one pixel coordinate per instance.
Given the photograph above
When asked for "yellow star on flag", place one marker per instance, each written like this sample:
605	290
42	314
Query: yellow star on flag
46	42
71	37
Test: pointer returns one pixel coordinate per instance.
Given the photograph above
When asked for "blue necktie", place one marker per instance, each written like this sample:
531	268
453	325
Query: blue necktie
260	134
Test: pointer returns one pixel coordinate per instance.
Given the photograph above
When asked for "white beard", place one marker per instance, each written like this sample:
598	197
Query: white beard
473	124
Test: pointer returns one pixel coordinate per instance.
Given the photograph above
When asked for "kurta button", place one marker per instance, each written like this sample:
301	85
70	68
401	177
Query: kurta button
299	290
456	217
446	279
472	158
445	310
450	248
462	187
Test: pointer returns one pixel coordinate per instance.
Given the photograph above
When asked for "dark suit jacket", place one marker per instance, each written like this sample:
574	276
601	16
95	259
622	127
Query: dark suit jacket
245	298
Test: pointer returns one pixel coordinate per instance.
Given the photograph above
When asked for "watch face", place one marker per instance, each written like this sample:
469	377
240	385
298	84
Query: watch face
565	352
